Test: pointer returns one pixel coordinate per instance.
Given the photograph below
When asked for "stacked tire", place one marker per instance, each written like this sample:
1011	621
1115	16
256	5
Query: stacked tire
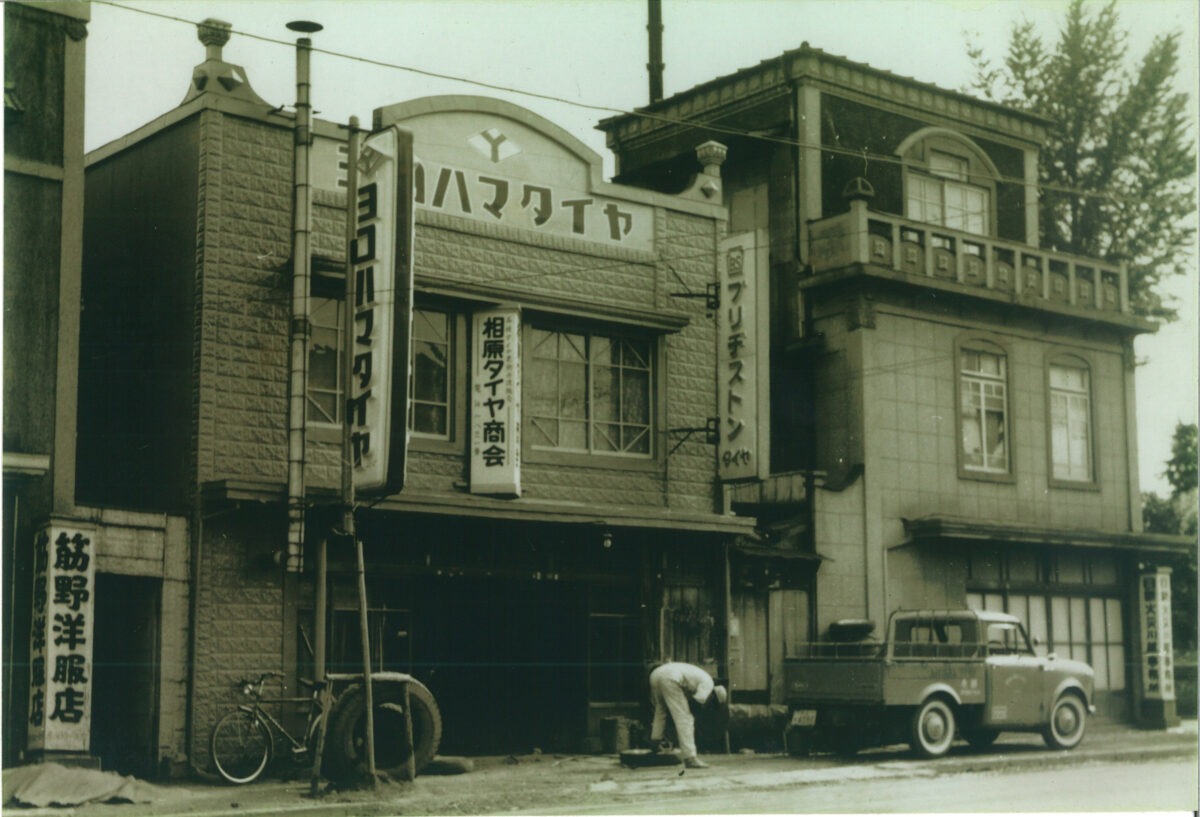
345	756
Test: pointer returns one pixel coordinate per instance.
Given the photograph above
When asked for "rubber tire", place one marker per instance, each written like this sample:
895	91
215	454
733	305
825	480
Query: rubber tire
932	729
980	738
345	745
246	724
1068	722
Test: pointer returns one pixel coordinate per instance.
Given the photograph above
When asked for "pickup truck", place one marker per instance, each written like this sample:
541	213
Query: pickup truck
938	674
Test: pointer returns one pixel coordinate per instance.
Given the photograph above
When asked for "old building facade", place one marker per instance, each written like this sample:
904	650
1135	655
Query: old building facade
551	593
951	411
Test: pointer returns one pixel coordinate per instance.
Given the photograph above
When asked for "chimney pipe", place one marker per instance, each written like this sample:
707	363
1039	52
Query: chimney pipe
655	66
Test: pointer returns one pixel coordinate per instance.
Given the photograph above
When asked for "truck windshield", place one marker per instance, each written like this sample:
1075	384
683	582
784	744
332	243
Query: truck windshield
1004	638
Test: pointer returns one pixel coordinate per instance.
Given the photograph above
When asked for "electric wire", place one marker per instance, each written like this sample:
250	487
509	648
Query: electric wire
642	114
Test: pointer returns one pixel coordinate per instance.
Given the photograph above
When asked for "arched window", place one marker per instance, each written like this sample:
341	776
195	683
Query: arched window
985	448
1069	394
949	181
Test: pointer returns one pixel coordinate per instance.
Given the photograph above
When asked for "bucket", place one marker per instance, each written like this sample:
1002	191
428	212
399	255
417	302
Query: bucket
614	733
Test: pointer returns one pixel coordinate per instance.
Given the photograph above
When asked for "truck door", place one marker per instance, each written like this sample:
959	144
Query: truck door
1015	678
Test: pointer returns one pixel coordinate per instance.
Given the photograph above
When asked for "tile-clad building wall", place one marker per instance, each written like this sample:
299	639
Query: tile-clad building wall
911	405
243	295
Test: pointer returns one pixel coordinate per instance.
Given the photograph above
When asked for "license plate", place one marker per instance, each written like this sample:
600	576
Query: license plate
804	717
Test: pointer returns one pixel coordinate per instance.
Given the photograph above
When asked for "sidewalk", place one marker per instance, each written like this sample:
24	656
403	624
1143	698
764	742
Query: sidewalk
528	782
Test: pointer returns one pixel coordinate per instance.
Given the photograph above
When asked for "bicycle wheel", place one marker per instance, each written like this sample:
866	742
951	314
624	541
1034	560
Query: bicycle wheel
241	746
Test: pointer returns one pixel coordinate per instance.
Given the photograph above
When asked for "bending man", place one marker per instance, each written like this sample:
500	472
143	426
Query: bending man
670	687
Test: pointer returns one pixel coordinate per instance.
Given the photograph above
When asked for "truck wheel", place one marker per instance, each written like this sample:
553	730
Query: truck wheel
980	738
345	746
932	728
1068	720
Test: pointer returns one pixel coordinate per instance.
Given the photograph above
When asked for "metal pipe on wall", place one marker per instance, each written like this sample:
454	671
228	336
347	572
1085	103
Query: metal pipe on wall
301	274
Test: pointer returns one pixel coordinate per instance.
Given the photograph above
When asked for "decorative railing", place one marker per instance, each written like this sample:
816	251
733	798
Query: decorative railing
929	251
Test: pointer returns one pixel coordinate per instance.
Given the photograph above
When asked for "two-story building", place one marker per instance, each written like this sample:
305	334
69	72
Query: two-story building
950	414
530	606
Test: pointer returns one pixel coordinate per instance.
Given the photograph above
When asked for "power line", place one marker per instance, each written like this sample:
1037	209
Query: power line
691	123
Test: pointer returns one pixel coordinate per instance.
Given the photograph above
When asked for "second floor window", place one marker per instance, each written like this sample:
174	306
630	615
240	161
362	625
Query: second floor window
589	393
944	196
1070	423
983	390
429	386
431	375
325	362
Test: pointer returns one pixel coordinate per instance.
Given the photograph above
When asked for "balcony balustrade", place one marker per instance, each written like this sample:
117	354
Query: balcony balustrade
927	251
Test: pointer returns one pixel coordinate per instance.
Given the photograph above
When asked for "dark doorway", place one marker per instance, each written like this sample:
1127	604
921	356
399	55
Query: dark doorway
506	661
125	673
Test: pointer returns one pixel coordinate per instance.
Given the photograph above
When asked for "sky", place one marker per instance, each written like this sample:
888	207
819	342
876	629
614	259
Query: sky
591	55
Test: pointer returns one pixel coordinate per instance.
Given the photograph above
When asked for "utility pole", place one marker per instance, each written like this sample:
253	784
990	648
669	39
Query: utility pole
655	66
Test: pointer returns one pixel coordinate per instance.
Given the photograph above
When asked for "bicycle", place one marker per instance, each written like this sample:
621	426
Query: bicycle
242	744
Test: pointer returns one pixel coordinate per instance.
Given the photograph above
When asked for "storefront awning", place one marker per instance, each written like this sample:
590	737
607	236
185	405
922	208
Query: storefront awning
610	516
957	530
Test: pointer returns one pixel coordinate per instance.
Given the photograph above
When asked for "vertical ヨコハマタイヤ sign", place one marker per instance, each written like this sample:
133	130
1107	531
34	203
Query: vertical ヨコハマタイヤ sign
381	332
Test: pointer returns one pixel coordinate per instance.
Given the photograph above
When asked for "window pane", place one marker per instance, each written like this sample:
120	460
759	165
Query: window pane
607	437
1037	624
545	432
429	372
635	440
947	164
541	389
1060	611
1100	665
430	325
1078	621
975	601
572	347
635	397
606	393
997	453
572	390
1116	666
429	419
1116	630
993	602
573	435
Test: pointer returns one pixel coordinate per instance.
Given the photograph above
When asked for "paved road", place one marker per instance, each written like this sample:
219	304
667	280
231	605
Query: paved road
1157	785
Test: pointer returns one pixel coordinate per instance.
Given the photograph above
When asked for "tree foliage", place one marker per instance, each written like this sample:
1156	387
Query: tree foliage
1178	515
1181	468
1122	135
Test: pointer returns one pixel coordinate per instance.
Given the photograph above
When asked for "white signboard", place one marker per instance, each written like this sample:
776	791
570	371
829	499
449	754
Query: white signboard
742	354
543	207
496	402
381	333
60	689
1154	602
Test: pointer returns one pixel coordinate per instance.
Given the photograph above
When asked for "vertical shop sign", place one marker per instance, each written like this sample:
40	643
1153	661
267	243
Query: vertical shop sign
1154	603
60	688
496	402
742	356
381	333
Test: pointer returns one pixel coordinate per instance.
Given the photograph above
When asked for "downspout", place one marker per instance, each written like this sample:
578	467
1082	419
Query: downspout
299	330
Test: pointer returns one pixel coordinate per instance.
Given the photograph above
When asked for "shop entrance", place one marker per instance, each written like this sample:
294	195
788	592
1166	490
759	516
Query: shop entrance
506	660
125	673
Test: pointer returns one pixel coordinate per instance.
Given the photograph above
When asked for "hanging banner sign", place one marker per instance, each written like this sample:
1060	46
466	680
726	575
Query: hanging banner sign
1154	603
381	332
496	402
742	356
60	650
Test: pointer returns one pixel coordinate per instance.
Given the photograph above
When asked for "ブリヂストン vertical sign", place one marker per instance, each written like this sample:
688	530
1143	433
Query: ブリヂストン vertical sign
381	332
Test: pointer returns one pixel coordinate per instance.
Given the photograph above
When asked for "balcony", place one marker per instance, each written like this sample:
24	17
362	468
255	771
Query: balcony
1007	270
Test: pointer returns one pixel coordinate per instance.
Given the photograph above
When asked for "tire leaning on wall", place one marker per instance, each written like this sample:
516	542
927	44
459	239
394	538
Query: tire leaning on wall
345	746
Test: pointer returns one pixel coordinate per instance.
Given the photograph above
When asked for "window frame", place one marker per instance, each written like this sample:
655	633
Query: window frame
331	287
987	345
1071	360
916	153
593	458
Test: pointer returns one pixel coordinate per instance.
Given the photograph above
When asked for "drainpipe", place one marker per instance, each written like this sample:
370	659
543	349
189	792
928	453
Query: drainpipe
300	327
